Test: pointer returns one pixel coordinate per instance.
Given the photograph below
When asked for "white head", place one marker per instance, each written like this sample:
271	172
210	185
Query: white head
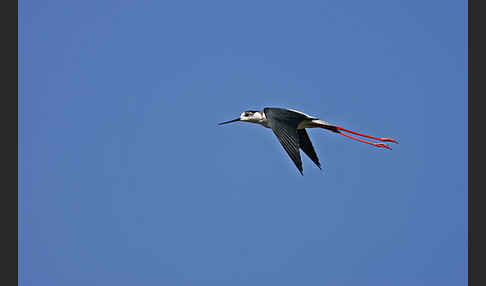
249	116
252	116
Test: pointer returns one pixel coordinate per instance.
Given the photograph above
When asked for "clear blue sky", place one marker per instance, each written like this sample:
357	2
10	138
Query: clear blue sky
125	178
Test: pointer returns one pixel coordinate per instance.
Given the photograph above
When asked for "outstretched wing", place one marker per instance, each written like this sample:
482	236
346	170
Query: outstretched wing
289	139
284	124
306	145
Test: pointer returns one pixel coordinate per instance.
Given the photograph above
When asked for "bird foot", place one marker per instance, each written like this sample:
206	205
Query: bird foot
382	145
388	140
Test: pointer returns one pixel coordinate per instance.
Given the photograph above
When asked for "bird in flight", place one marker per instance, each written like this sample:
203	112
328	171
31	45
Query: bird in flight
289	127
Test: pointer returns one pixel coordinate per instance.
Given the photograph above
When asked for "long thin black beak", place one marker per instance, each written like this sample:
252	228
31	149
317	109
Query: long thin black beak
234	120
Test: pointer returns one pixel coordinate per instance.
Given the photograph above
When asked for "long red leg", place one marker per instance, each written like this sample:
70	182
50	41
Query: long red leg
364	141
382	145
364	135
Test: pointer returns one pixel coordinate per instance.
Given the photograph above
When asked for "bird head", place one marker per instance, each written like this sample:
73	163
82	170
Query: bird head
248	116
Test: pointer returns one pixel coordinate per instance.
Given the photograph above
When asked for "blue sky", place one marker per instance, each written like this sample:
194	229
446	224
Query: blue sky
125	178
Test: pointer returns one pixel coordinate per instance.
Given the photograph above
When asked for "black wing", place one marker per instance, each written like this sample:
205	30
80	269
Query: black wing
284	124
289	139
306	145
284	115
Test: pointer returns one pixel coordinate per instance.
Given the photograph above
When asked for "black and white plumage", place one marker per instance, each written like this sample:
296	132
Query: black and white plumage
289	127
